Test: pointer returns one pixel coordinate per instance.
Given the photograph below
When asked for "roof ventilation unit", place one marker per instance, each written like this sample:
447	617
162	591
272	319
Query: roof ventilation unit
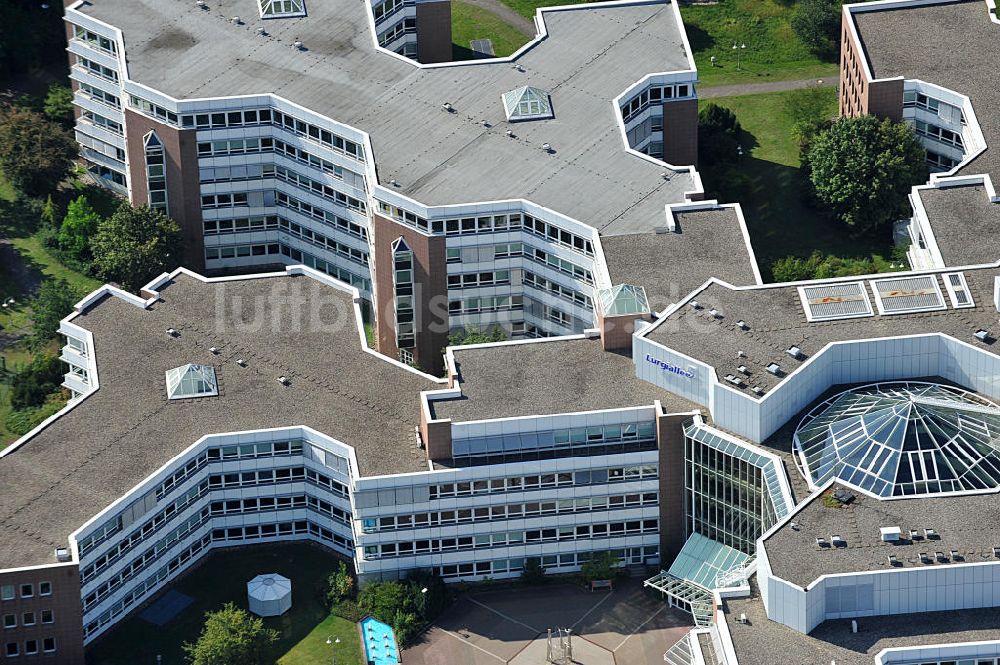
774	368
742	325
237	20
546	147
924	558
956	555
63	554
794	352
838	541
262	32
297	44
821	542
716	314
694	304
758	390
893	561
283	380
214	350
941	557
202	4
665	175
931	534
958	290
906	295
241	362
996	551
829	302
984	335
735	380
448	107
915	535
743	618
172	332
890	534
743	369
510	134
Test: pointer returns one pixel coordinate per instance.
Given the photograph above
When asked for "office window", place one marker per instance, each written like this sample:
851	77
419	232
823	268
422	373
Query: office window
45	588
7	592
47	617
10	621
30	647
49	644
28	619
12	649
156	176
27	590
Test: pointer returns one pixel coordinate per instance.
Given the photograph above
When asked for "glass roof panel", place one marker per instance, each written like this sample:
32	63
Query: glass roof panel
527	103
623	299
191	381
282	8
903	439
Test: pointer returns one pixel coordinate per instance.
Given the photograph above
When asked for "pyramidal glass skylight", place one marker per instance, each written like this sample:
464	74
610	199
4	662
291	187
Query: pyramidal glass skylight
191	381
527	103
902	439
623	299
282	8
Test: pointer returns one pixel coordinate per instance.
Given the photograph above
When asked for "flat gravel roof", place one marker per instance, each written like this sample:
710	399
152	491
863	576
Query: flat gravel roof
963	523
777	321
761	641
591	55
126	430
548	377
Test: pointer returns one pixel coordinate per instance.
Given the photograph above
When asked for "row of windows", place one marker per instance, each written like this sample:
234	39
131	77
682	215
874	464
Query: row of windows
511	538
222	147
567	439
93	40
509	511
914	99
635	555
13	649
346	276
27	590
546	480
326	242
384	10
152	109
491	224
28	618
318	188
101	121
556	289
480	304
514	249
492	456
270	223
655	95
406	26
310	210
211	227
939	133
269	503
97	69
100	95
473	279
279	119
941	161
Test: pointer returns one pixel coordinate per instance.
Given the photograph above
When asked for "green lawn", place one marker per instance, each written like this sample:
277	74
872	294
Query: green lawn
771	189
469	22
772	52
222	578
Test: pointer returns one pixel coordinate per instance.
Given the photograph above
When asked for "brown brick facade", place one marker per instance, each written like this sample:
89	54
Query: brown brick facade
430	288
616	331
680	132
434	31
670	441
63	602
183	185
858	94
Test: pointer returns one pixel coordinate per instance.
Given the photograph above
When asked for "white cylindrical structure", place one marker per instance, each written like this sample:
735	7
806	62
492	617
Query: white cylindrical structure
269	595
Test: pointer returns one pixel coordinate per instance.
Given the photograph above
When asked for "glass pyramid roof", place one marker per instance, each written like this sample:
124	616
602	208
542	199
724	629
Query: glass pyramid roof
902	439
527	103
623	299
191	381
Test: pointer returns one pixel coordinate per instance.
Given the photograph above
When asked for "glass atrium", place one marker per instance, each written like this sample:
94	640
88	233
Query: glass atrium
902	439
191	381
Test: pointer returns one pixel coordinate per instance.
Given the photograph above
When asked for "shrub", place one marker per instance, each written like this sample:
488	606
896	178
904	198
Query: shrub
601	566
533	573
32	386
348	609
718	135
817	24
472	336
340	585
383	599
406	626
78	227
54	301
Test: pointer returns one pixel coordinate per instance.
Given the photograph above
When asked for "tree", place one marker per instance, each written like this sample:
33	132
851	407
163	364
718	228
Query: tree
718	135
31	34
55	300
533	572
601	566
383	599
134	245
35	154
472	336
49	214
340	585
59	104
405	626
817	25
78	227
864	168
231	636
32	385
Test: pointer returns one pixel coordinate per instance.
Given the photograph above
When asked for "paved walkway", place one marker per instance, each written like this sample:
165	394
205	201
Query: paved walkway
710	92
502	11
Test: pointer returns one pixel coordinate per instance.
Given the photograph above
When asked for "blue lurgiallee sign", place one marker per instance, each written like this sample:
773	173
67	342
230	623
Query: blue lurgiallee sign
669	367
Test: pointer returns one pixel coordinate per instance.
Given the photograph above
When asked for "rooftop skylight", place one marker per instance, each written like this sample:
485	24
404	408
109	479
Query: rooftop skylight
282	8
527	103
623	299
191	381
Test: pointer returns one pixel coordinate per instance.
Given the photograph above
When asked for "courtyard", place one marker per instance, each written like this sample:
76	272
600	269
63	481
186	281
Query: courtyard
626	626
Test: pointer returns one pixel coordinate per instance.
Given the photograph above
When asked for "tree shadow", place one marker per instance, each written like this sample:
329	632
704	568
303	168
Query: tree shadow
699	38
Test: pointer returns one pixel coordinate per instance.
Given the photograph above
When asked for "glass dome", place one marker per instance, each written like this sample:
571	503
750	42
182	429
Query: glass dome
902	439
